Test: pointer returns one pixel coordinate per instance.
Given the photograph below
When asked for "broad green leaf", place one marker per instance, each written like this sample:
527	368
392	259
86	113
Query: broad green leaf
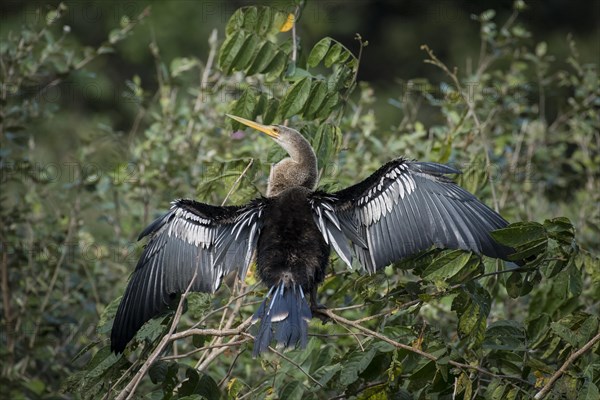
246	53
244	107
422	376
472	306
229	51
269	116
356	363
445	266
102	363
339	78
328	104
294	390
317	94
332	55
537	329
265	20
589	391
318	52
326	372
514	284
159	370
295	98
250	18
520	233
560	229
235	23
495	390
505	335
261	105
200	383
277	64
262	59
575	280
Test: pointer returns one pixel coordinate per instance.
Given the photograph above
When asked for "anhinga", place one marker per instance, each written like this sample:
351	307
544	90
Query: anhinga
403	208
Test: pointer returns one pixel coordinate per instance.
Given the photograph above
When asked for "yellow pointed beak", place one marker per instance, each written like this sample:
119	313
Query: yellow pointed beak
269	130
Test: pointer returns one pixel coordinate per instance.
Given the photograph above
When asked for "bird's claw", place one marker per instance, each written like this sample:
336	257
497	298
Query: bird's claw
317	311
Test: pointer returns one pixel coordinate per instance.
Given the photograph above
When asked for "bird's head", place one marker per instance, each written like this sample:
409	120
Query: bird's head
290	139
281	134
300	169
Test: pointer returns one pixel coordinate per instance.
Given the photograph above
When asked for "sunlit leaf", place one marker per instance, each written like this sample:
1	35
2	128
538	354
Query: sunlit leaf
295	98
318	52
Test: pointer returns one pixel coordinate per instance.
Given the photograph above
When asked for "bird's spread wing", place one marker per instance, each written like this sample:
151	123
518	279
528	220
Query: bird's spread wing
403	208
192	238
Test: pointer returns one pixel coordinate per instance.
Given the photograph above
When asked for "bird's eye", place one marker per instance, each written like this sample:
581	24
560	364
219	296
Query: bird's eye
276	130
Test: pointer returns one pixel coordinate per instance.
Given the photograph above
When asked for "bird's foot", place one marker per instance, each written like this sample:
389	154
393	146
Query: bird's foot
318	312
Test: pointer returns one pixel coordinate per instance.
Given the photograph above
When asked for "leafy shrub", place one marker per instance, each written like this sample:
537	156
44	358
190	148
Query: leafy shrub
440	324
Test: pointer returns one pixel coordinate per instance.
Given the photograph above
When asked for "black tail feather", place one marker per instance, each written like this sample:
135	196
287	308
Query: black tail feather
284	317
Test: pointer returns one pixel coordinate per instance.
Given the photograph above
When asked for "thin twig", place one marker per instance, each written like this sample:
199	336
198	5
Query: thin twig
544	392
236	183
295	364
129	390
65	250
422	353
210	347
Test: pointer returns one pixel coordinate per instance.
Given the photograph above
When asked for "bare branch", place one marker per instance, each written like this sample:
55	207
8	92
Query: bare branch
129	390
546	389
295	364
422	353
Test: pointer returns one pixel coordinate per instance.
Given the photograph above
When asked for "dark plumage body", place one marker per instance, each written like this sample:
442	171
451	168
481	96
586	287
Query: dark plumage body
401	209
289	230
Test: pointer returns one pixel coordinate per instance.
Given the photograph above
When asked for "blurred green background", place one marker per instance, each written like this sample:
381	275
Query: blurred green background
91	152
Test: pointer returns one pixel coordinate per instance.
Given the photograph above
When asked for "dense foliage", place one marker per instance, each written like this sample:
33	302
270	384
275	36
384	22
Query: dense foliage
443	324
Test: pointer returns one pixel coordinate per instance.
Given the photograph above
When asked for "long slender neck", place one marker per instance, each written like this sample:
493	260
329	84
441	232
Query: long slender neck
300	169
301	152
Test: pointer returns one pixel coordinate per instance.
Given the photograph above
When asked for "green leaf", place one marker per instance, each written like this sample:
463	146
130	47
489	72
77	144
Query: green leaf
333	54
250	18
262	59
318	52
318	92
354	364
575	280
269	116
447	265
561	230
159	371
537	329
246	53
295	98
277	64
235	23
589	391
265	20
505	335
244	107
514	284
326	372
330	102
200	383
520	233
472	306
294	390
229	50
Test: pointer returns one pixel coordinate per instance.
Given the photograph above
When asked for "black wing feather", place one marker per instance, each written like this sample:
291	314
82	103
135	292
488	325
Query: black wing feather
191	238
403	208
